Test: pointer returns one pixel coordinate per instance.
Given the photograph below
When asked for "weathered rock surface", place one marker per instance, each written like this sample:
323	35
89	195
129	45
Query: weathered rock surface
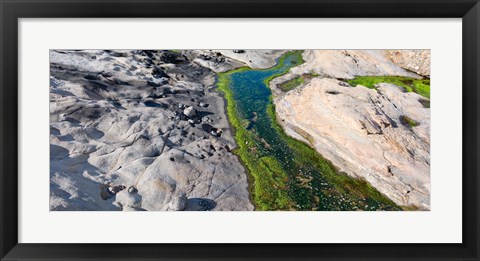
255	59
364	132
178	202
143	130
226	60
345	64
115	120
417	61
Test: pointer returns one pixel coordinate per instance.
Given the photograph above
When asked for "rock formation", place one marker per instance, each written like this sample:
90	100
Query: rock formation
417	61
345	64
380	135
225	60
139	130
126	134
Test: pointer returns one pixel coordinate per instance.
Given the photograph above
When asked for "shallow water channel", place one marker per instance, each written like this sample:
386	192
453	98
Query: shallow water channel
286	173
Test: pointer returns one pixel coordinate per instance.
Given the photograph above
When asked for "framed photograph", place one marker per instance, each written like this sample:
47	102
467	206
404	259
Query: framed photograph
319	130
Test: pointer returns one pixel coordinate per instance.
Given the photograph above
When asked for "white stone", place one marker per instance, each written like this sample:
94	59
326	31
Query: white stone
190	111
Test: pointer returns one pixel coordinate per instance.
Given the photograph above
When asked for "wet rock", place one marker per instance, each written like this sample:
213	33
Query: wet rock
254	117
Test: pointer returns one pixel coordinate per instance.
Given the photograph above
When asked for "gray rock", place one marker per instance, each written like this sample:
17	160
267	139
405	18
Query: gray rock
128	201
178	202
116	189
132	190
102	132
190	112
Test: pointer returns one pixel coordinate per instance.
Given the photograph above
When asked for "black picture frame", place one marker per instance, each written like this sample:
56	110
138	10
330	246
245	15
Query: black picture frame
12	10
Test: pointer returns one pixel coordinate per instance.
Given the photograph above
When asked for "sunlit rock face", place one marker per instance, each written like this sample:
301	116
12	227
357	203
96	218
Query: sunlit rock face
346	64
417	61
226	60
120	138
141	130
380	135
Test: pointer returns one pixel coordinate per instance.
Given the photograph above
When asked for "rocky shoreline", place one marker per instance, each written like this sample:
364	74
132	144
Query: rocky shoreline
381	135
286	174
143	130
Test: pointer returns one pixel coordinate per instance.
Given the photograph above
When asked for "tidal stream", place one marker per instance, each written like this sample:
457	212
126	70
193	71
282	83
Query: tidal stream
286	174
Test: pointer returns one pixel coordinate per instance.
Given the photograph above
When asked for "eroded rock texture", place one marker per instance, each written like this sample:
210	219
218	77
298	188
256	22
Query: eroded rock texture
417	61
380	135
225	60
139	130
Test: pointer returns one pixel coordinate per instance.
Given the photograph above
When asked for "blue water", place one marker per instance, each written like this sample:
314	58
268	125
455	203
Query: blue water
309	188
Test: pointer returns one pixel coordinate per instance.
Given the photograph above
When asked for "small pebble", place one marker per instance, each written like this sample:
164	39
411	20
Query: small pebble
132	190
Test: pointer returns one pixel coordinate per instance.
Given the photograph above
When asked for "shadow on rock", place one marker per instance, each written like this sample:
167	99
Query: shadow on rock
200	204
75	184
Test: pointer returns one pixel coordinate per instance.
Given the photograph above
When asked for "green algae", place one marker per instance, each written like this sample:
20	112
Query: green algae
286	174
420	86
